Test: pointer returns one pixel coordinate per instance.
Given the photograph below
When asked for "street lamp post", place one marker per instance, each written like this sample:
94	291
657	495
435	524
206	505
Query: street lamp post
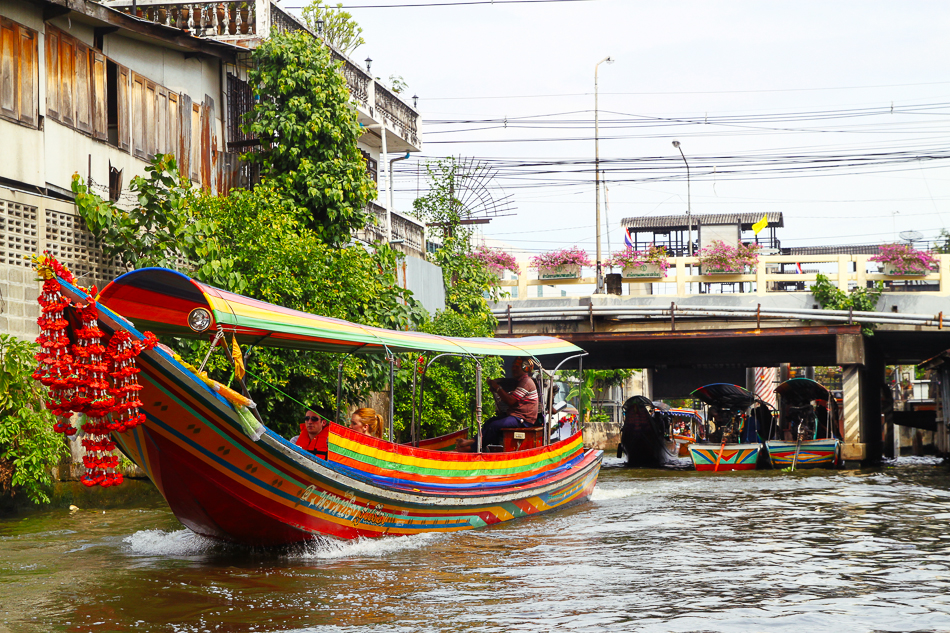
600	274
689	217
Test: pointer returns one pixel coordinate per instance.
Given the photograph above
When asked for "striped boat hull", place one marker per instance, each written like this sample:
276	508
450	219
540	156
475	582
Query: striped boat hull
734	456
221	484
813	453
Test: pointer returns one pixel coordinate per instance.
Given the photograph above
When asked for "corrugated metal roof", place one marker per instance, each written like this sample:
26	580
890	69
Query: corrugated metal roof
678	222
850	249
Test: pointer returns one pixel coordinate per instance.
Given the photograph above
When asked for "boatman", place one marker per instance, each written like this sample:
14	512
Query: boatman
313	435
522	403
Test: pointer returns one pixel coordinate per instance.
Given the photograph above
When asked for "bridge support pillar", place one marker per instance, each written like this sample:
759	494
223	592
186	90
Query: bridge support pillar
850	355
854	451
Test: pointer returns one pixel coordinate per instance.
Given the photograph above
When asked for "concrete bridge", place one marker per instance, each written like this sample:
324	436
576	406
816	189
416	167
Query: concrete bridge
686	340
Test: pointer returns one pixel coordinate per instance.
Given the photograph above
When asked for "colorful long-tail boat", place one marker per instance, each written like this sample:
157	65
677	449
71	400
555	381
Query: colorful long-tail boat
808	433
226	475
734	418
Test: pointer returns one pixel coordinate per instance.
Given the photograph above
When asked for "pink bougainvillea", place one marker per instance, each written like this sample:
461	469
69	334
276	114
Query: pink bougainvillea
496	261
722	258
630	258
573	256
905	259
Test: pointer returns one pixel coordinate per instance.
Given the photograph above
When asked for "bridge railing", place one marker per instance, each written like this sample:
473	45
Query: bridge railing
774	274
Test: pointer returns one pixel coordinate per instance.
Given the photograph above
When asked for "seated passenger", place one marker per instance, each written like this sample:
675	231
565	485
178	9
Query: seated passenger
371	422
313	435
522	404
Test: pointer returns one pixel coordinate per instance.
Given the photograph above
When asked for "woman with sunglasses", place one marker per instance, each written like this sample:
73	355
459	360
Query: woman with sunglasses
313	435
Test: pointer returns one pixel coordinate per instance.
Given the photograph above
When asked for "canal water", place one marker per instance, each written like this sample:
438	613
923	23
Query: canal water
655	550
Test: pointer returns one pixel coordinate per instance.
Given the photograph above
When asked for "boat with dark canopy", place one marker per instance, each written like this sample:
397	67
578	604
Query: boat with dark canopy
653	434
226	475
808	431
735	420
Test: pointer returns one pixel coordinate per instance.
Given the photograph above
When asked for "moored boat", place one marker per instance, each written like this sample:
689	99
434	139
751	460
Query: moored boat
646	436
226	475
808	431
734	417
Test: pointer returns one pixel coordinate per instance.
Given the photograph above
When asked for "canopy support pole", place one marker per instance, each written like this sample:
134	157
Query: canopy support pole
557	368
392	390
478	403
339	390
412	429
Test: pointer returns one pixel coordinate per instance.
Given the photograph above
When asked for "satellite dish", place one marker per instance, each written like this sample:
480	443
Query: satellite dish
911	236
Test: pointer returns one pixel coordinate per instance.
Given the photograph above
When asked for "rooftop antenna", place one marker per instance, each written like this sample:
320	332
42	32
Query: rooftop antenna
911	236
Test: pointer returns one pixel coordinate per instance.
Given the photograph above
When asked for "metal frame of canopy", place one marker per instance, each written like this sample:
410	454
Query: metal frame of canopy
164	301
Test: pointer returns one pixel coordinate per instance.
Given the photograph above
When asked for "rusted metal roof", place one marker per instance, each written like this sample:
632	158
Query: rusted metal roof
678	222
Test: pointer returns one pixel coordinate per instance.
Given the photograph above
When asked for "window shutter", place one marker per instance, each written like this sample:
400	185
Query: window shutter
8	69
184	158
196	142
124	106
83	94
53	81
28	77
173	140
151	119
161	120
67	73
100	113
138	116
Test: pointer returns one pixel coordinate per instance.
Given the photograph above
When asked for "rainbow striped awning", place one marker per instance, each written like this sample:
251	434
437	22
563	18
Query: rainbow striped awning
160	300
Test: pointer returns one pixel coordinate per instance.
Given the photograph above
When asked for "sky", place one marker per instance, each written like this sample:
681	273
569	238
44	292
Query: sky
759	94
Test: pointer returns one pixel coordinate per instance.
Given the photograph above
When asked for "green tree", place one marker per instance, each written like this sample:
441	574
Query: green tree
339	29
833	298
308	132
29	447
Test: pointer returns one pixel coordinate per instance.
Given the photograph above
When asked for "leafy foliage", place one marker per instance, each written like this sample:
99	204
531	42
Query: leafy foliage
592	381
28	445
833	298
398	84
339	30
308	132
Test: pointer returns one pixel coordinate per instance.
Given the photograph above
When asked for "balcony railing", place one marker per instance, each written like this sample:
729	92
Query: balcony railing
403	118
206	19
406	229
357	79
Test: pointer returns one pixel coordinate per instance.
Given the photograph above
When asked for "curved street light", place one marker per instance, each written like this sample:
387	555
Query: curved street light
600	275
689	219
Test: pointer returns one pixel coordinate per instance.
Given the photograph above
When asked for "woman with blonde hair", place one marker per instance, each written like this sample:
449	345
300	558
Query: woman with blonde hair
370	421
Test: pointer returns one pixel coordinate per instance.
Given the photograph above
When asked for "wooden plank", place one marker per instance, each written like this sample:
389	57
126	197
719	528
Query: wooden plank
8	69
67	73
125	107
52	74
83	90
28	76
139	143
100	112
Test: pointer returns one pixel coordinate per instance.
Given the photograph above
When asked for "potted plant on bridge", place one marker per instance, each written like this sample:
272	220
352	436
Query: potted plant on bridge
903	260
562	264
496	261
721	259
649	263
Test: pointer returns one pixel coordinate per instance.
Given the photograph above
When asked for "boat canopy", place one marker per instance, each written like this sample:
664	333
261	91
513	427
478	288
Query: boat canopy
799	390
725	395
162	300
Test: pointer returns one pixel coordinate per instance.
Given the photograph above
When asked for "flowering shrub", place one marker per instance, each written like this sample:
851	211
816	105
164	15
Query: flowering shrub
905	259
565	257
721	258
496	261
630	258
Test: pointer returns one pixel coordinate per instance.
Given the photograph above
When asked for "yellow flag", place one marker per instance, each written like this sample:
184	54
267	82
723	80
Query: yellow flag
238	359
761	224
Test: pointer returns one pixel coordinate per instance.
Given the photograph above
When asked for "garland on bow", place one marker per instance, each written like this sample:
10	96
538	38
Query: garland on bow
78	375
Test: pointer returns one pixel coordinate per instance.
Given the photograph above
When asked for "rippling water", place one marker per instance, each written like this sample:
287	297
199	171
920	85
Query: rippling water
653	551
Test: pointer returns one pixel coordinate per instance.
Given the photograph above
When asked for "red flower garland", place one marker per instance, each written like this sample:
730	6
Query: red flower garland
79	381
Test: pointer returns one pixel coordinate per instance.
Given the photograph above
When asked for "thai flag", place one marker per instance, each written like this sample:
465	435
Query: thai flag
626	238
799	267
